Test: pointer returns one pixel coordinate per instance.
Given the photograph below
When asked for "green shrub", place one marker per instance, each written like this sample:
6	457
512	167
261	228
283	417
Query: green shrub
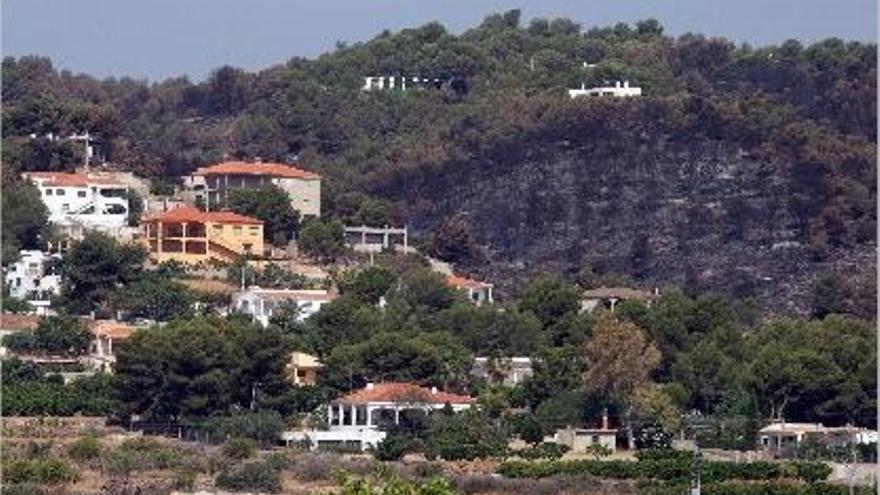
84	449
142	454
185	480
239	448
546	450
392	448
252	476
264	427
669	469
23	489
44	471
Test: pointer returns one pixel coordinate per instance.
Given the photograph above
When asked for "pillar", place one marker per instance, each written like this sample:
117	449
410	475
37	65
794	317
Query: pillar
341	415
109	346
405	239
369	416
159	238
329	414
363	234
385	237
353	415
396	415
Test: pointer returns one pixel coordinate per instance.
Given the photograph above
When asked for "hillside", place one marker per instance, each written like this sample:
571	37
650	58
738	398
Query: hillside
744	170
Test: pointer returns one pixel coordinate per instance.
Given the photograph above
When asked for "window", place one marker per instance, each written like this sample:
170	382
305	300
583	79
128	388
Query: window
65	207
81	194
115	210
218	228
59	192
48	192
237	229
595	439
254	230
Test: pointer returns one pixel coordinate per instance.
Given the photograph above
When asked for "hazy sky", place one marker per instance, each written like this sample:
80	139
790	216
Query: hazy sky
162	38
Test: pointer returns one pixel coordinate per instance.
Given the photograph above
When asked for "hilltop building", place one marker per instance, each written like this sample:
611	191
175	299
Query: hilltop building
619	90
211	185
34	278
478	292
189	235
78	202
261	303
354	420
506	370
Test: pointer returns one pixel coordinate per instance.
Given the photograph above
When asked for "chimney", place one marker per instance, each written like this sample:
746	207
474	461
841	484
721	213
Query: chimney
433	390
605	418
369	385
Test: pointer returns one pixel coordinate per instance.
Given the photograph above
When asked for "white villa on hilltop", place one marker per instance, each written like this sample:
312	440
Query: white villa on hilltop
619	90
354	420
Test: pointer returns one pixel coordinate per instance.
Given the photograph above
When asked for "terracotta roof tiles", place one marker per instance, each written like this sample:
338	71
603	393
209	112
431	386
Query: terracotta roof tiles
462	283
402	392
258	168
61	179
193	214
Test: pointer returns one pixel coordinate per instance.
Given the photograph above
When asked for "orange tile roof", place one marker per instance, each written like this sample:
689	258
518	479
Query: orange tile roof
12	321
465	283
254	168
402	392
61	179
111	329
193	214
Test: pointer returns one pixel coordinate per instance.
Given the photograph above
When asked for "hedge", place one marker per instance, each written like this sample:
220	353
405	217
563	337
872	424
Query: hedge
755	488
48	471
670	469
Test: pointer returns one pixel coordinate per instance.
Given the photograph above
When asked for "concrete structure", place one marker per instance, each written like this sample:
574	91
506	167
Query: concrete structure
11	323
782	438
478	292
365	239
98	202
355	420
582	440
35	278
619	90
92	149
402	83
302	369
608	297
261	303
211	185
190	235
105	334
505	370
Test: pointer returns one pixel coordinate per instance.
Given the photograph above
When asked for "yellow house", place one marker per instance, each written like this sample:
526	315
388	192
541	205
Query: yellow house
190	235
302	369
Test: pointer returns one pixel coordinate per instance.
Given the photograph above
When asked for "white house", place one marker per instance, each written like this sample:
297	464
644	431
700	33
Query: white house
261	303
106	334
781	436
619	90
609	297
478	292
506	370
34	278
583	440
355	420
98	202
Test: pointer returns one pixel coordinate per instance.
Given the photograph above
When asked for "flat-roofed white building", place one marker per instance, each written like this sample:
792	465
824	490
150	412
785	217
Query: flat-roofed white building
34	278
619	90
262	303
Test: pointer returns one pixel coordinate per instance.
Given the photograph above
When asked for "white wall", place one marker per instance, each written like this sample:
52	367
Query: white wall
29	274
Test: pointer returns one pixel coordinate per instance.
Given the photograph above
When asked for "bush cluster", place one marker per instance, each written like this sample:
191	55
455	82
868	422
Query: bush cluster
251	476
668	469
39	470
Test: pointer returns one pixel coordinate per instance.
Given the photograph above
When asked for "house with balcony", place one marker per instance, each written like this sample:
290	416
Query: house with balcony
262	303
211	185
191	236
35	277
80	201
355	421
478	292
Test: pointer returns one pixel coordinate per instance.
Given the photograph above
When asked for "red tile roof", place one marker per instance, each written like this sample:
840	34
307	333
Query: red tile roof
193	214
11	321
253	168
465	283
402	392
61	179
